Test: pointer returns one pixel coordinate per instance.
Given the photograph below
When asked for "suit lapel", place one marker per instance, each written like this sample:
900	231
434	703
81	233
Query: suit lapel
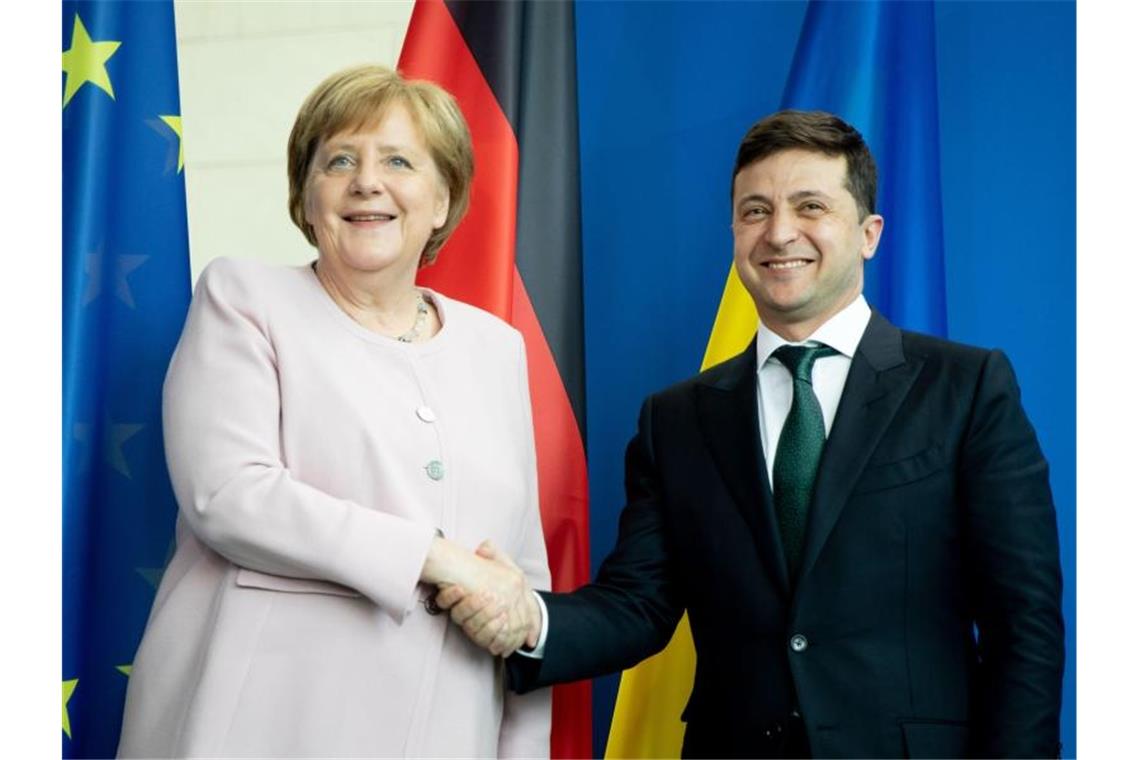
877	382
726	409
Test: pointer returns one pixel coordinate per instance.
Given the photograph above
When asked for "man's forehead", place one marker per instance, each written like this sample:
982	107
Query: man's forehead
787	170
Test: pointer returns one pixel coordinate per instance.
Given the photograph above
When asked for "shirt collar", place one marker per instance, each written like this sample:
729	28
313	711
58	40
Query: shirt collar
842	332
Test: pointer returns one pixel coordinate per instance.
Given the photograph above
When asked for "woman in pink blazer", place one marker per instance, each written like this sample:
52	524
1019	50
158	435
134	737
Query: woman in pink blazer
339	441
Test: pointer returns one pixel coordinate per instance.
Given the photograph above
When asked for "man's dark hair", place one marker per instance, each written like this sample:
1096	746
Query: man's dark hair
819	132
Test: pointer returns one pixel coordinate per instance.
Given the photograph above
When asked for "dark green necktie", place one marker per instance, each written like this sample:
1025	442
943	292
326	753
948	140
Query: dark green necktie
799	450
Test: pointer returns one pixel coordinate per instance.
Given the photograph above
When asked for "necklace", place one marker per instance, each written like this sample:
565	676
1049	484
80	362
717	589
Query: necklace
421	320
421	312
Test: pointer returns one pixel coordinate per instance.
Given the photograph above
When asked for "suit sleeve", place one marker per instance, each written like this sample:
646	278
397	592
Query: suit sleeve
525	729
1015	574
630	610
221	417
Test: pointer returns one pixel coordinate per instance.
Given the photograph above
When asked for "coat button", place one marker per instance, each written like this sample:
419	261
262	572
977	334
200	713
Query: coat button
430	603
798	642
426	414
434	469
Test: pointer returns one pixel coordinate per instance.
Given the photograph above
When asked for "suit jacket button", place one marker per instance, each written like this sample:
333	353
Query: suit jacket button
798	642
426	414
434	469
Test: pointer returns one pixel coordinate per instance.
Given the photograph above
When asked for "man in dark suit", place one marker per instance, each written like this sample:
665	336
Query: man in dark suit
857	518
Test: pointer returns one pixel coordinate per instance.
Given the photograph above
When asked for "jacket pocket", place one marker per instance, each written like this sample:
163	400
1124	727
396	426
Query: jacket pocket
247	578
935	738
879	476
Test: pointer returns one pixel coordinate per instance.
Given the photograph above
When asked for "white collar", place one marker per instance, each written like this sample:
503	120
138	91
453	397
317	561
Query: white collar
842	332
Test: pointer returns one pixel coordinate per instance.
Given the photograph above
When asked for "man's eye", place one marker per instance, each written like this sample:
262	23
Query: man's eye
754	213
812	206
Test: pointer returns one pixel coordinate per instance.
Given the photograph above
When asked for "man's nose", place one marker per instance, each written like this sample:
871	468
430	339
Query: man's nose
782	229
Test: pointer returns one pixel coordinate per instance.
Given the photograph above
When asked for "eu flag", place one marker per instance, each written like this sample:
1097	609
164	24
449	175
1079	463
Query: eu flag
873	65
126	287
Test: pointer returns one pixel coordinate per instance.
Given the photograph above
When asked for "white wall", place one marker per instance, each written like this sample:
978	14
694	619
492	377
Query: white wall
244	68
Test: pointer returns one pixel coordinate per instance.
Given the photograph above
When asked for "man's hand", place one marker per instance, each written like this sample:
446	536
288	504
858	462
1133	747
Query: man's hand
496	608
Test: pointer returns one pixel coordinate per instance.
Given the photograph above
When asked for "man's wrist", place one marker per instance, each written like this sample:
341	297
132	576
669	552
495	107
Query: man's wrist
543	628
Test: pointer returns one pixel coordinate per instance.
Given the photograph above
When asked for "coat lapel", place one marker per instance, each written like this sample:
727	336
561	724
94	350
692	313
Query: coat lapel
877	382
726	408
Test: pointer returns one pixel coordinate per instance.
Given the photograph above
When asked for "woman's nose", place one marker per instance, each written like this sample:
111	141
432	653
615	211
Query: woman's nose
367	180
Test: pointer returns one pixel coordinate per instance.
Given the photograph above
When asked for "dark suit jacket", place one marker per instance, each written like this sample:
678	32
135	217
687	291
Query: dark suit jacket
932	515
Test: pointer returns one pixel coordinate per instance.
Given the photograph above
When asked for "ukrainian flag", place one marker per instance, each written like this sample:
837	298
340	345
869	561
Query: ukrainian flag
872	64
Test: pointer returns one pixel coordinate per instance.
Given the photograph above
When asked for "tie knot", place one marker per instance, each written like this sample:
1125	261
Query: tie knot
799	359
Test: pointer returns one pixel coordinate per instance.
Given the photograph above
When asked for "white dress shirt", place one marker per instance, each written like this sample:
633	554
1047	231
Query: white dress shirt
774	381
774	391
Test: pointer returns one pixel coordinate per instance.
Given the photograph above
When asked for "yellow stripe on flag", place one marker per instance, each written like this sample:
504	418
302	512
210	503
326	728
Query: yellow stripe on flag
647	714
735	323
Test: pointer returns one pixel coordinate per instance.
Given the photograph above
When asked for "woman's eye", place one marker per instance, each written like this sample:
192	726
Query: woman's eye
340	161
399	162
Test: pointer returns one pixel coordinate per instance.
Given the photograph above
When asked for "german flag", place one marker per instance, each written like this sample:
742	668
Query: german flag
511	66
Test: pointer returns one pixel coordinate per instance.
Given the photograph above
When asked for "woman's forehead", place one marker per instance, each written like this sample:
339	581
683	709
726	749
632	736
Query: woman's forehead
393	122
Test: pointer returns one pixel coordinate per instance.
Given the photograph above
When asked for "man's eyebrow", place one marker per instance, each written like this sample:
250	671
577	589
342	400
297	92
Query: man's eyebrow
795	197
800	195
753	198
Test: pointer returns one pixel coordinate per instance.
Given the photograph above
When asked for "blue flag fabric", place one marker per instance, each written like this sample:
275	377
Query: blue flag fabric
126	288
873	64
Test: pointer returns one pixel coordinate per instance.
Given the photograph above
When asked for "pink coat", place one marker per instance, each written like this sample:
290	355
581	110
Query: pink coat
313	461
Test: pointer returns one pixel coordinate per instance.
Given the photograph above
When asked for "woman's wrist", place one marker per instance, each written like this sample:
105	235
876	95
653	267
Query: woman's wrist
441	561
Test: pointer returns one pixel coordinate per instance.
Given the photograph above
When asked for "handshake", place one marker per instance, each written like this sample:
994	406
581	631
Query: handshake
487	594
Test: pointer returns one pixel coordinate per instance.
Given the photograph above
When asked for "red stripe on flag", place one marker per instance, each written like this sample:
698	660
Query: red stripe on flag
563	493
477	265
562	485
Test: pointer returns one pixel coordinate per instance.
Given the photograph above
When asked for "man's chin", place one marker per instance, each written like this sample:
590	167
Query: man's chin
785	310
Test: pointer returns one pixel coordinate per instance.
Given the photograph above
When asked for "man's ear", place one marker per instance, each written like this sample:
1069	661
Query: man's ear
872	232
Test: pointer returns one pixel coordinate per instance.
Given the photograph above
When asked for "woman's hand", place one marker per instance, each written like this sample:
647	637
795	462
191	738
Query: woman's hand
487	593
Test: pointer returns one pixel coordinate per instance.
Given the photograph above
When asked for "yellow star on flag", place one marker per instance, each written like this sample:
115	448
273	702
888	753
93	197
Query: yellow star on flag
68	688
124	669
86	61
175	124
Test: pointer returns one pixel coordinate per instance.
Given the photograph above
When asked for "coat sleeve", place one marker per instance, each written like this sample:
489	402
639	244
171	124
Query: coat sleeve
1015	574
630	610
525	729
221	418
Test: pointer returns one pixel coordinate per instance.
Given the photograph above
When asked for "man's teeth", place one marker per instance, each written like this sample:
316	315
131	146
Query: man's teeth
788	264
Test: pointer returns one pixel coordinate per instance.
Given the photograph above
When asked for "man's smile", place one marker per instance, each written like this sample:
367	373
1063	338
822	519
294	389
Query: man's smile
786	264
